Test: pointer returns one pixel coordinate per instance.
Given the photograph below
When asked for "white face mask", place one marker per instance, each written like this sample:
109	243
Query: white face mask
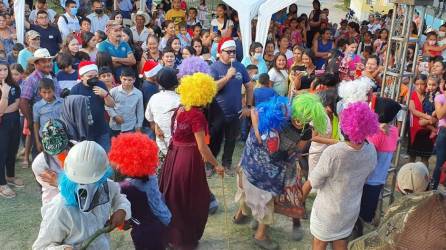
441	33
258	56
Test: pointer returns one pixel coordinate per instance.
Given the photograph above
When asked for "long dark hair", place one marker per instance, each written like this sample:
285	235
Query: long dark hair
225	17
86	38
8	79
104	59
275	61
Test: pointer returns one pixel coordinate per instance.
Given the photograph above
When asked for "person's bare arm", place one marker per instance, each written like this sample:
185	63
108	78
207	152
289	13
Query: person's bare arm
128	61
440	110
417	113
255	125
25	108
249	93
316	52
206	152
223	81
306	190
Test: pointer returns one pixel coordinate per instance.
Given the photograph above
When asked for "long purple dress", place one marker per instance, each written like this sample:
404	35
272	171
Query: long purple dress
183	181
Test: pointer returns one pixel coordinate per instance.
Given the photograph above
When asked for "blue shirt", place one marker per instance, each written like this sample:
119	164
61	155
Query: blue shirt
122	51
128	105
43	111
263	94
379	175
23	57
97	103
229	98
66	80
261	64
148	89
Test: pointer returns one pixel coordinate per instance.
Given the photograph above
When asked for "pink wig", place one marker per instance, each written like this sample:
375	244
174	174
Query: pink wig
358	121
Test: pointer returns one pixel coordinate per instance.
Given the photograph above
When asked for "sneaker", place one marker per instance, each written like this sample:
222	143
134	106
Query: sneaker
16	182
298	233
6	192
267	244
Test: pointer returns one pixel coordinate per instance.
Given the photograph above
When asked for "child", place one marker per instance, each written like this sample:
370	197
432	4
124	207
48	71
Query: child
196	31
168	58
264	91
385	142
430	47
206	56
149	87
49	163
339	177
14	54
128	113
161	107
139	163
17	73
202	11
432	91
85	176
66	76
192	19
253	72
184	36
106	76
175	44
47	108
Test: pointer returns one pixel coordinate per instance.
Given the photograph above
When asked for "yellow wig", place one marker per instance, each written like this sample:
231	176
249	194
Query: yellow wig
197	90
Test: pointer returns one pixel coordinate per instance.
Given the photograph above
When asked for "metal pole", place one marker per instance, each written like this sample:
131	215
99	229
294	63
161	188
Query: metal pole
403	127
386	63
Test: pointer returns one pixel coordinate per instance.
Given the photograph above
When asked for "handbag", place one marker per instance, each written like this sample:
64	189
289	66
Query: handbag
289	202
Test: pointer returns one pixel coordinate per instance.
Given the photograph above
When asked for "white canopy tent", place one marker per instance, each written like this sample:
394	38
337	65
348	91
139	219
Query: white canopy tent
19	11
247	10
266	10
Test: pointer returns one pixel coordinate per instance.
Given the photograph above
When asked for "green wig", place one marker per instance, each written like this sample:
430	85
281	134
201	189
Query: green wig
308	108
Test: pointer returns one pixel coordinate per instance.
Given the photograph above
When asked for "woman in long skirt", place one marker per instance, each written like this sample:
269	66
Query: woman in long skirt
183	179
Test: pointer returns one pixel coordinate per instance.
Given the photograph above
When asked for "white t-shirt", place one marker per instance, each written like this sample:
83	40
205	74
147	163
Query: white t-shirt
288	53
215	23
279	80
141	37
160	109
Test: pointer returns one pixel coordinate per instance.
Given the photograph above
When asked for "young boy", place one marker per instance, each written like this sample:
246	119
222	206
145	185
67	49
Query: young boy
161	107
14	54
168	58
47	108
128	112
176	14
106	76
149	87
67	76
263	92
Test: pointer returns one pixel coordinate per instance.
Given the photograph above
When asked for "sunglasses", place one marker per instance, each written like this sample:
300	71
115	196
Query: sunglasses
229	51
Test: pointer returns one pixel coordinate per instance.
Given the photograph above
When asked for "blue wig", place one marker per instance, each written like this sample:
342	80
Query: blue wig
273	114
68	188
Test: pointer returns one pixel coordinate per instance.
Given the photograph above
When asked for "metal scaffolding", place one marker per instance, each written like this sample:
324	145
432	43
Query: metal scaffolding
399	40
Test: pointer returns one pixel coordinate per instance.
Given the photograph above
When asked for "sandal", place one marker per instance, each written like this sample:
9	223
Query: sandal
241	220
6	192
16	182
267	244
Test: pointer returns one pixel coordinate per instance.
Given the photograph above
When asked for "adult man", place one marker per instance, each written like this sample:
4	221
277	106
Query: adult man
139	31
50	36
120	51
98	18
226	110
68	23
41	5
43	67
96	90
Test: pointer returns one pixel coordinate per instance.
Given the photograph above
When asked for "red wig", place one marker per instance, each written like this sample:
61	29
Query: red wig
134	155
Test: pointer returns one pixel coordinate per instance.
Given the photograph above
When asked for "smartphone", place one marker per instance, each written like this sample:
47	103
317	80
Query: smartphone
215	29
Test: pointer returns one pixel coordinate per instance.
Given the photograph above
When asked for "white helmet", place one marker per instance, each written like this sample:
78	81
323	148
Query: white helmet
86	162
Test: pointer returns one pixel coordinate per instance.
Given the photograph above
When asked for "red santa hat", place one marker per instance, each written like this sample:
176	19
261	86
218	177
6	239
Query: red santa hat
150	69
225	43
86	66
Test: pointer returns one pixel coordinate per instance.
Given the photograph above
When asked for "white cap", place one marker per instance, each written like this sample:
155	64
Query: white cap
86	162
414	177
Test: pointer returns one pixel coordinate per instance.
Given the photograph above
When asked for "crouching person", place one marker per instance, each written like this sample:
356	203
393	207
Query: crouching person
139	163
87	200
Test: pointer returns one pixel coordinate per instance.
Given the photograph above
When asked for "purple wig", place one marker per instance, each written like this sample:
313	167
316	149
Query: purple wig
192	65
358	121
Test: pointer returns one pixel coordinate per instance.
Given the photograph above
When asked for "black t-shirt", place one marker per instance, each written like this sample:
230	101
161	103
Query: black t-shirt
14	94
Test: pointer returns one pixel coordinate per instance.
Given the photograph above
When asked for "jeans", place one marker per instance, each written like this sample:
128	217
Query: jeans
440	148
104	141
9	144
245	127
149	132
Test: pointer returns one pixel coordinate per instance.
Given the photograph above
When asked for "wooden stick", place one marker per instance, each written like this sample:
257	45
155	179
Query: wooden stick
225	210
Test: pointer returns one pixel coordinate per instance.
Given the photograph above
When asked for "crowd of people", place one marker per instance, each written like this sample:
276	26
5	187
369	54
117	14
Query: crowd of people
122	115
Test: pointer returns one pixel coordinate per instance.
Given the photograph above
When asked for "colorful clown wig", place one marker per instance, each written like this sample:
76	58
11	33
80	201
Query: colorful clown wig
68	187
134	155
356	90
358	121
197	90
192	65
308	108
273	114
